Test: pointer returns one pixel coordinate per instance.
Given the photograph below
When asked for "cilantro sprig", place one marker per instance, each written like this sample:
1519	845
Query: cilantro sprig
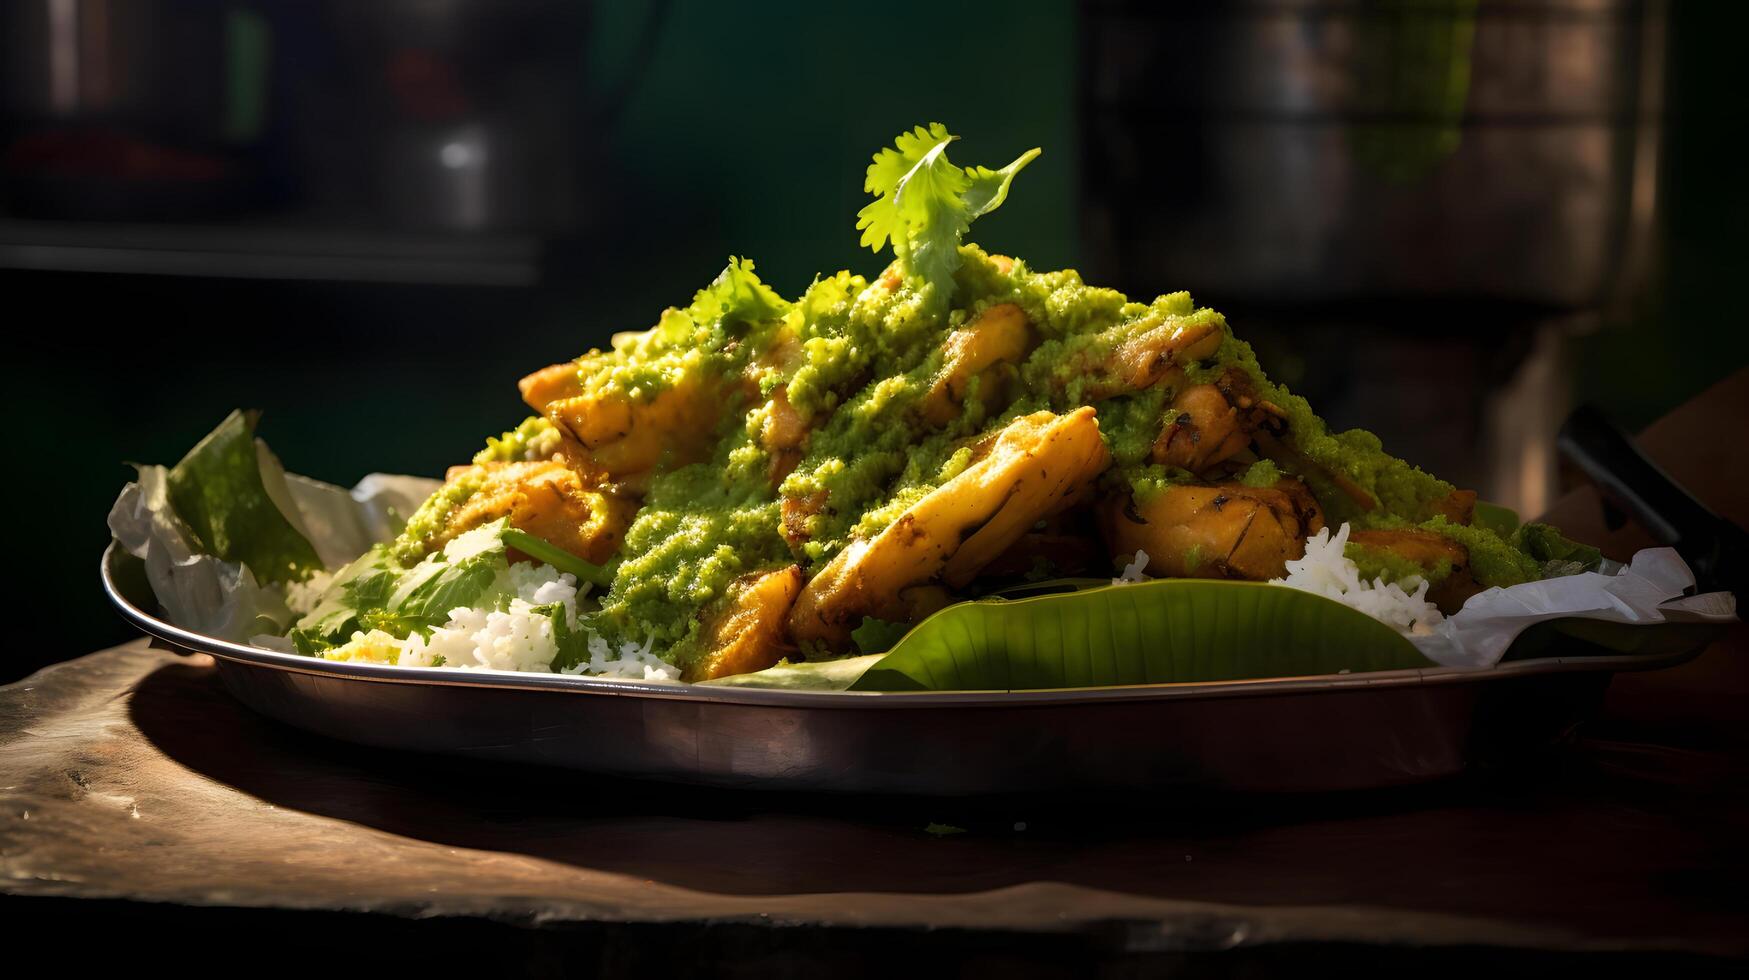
924	204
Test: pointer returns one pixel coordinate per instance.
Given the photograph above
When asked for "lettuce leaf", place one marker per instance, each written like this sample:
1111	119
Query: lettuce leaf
231	493
377	592
924	204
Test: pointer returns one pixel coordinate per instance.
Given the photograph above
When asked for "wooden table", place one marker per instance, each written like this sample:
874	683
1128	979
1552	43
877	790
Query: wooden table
138	801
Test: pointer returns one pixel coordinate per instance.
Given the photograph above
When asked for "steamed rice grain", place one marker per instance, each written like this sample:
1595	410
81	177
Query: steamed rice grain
517	634
1327	571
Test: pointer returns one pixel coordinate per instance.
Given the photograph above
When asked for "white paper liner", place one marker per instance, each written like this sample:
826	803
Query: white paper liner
1647	590
222	598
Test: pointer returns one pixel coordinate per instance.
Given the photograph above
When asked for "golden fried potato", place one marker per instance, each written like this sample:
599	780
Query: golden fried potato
1274	447
783	432
987	348
1152	357
1038	465
796	513
550	384
1212	423
545	498
1224	530
747	633
1428	550
621	433
1206	430
1458	507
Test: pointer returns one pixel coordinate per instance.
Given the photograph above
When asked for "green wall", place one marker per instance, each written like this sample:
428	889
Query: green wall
761	119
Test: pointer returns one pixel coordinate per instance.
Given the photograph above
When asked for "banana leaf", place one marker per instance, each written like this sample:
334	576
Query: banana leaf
1599	638
1086	632
1167	630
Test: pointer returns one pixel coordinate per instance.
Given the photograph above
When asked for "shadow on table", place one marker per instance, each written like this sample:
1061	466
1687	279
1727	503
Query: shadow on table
1582	831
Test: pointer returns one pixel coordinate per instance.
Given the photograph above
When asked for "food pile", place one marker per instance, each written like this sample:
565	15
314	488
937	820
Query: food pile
757	479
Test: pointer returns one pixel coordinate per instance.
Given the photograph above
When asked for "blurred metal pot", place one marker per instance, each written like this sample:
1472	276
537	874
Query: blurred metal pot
469	110
1290	151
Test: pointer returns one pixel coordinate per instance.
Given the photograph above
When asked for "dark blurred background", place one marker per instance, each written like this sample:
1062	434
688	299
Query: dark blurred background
1446	221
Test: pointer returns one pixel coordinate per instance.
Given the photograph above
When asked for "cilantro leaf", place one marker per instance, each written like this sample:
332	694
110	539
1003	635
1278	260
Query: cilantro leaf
989	188
882	220
931	199
924	204
572	641
737	297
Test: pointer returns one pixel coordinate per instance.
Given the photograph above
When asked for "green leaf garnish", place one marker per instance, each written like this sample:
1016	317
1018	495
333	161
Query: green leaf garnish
924	204
738	297
1493	517
989	188
1548	545
542	551
878	635
377	592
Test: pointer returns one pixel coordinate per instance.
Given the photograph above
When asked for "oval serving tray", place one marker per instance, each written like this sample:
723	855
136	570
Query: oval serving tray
1319	733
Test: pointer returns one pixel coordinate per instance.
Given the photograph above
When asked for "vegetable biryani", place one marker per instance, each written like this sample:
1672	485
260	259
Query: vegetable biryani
758	479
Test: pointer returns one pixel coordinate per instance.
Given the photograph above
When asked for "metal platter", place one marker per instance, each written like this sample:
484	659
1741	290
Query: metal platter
1300	734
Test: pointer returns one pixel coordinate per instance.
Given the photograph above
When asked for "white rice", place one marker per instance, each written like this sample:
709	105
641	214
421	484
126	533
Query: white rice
1326	571
1133	571
514	638
634	660
517	637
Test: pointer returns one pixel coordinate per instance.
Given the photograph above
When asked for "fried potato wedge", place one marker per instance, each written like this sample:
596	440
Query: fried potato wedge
984	349
622	433
1429	550
1458	507
545	498
1214	422
1151	357
1223	530
783	432
552	383
747	633
1039	464
1206	430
